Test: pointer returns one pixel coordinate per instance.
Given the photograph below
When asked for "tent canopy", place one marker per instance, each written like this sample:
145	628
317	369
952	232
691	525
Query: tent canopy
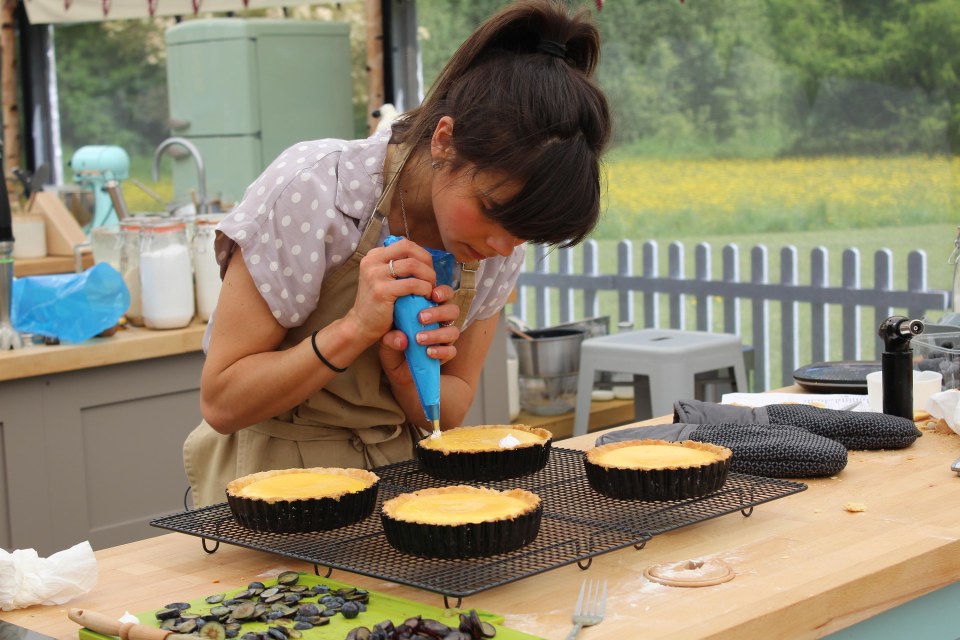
61	11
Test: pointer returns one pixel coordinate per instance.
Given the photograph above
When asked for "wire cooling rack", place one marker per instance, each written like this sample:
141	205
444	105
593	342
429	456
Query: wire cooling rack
578	524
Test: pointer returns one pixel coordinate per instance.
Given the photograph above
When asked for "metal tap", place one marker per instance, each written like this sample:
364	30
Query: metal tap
197	158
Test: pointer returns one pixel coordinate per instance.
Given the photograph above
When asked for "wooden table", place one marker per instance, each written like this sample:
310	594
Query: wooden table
805	565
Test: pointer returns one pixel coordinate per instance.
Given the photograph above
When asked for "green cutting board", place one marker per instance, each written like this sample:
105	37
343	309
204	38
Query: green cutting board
381	607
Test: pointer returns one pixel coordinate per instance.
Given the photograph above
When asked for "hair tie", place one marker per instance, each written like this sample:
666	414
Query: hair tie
552	48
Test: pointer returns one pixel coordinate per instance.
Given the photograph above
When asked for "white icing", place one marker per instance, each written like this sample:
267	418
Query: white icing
508	441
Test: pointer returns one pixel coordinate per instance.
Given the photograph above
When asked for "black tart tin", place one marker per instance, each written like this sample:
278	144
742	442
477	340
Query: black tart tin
657	484
484	465
299	516
472	540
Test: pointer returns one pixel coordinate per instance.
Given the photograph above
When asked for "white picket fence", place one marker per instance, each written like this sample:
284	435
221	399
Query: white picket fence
545	290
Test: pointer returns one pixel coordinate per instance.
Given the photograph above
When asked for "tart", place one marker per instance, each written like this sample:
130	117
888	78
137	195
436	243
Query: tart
493	452
657	469
461	521
300	500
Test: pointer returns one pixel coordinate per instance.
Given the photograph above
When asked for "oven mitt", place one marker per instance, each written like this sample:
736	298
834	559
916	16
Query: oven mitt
852	429
770	450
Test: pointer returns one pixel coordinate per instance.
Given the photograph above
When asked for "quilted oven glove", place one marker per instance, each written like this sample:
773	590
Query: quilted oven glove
770	450
852	429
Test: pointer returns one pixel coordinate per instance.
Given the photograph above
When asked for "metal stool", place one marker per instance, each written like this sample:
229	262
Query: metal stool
664	364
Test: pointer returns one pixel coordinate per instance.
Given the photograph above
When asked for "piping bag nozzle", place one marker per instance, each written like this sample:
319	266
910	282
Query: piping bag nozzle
424	369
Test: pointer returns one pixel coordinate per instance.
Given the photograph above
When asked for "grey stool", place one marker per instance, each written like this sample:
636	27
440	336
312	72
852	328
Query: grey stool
664	363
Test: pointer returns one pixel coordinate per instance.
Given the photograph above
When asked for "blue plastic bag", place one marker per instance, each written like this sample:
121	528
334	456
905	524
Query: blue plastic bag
72	306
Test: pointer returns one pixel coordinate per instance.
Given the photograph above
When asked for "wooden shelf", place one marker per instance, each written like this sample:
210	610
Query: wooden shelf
51	264
602	415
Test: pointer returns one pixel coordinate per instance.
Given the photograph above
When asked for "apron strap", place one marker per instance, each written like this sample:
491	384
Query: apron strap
467	291
464	295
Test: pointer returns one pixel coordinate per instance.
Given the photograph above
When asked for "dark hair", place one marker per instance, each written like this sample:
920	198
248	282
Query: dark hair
523	102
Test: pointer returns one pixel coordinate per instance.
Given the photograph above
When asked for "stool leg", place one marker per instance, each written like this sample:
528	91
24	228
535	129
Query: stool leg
581	419
740	376
667	387
641	398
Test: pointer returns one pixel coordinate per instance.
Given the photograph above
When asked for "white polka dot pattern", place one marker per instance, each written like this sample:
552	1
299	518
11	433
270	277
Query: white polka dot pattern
293	228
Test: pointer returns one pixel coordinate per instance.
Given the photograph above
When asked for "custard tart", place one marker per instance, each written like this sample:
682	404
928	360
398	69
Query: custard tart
491	452
461	521
301	500
657	469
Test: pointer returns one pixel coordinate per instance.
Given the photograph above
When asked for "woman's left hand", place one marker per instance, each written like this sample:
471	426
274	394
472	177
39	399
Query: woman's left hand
440	342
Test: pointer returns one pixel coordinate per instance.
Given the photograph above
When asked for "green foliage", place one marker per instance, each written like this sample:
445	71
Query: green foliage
112	84
762	78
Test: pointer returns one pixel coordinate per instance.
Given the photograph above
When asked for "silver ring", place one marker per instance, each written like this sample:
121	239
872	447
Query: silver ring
393	273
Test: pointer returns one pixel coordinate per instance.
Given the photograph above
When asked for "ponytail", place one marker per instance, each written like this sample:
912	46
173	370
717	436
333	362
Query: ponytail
521	93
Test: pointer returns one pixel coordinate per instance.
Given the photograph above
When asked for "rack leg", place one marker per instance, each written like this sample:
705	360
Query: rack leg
446	604
316	570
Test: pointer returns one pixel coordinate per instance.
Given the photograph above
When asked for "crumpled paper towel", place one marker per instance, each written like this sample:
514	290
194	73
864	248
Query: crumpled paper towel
946	406
27	579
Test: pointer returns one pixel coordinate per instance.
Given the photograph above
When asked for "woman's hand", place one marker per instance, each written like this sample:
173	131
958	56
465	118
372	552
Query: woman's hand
388	273
440	342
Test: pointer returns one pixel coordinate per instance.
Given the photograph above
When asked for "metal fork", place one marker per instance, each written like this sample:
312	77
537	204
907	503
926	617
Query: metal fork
589	611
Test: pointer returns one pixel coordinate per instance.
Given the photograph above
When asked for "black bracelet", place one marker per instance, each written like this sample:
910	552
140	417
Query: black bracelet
313	341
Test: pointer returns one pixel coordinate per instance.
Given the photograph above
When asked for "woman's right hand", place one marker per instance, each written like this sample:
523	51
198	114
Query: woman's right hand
379	287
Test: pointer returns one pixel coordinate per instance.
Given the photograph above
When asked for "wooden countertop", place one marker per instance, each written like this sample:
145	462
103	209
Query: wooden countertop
805	566
126	345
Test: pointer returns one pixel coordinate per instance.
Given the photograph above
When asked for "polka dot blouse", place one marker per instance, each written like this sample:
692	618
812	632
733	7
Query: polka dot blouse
303	217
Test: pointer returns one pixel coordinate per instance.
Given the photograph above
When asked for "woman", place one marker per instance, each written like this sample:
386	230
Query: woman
303	367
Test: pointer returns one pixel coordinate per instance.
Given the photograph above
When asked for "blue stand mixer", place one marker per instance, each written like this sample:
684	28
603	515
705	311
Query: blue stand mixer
93	166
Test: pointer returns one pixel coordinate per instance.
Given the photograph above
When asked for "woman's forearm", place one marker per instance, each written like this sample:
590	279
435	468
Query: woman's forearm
262	385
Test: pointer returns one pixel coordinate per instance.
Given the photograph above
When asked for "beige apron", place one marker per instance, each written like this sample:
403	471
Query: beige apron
354	421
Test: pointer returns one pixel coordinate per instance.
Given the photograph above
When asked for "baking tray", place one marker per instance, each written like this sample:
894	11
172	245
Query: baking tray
578	524
848	376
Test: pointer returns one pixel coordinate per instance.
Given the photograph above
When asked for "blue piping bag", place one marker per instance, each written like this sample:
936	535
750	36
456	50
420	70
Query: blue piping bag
406	318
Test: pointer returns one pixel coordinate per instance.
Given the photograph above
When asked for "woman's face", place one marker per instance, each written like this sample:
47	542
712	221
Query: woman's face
461	200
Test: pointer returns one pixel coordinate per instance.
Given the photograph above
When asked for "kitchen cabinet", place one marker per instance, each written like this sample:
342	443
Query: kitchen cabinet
91	437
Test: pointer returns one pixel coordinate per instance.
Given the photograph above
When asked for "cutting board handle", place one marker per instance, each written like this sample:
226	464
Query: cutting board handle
112	627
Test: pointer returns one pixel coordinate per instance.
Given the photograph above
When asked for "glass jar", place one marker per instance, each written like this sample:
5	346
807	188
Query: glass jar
206	270
130	230
166	279
105	242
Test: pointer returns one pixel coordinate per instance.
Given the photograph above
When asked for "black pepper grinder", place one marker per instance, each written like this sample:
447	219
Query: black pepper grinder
897	364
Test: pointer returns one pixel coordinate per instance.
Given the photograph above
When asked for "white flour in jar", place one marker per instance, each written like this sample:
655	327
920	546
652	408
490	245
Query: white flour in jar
166	282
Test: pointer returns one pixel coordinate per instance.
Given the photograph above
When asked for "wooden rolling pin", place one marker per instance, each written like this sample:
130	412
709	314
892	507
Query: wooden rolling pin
106	625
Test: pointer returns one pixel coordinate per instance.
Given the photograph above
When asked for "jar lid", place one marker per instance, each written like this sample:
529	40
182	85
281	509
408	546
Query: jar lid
210	218
160	227
130	224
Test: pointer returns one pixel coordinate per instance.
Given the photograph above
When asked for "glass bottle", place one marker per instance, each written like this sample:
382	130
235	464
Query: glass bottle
205	267
130	230
166	277
954	259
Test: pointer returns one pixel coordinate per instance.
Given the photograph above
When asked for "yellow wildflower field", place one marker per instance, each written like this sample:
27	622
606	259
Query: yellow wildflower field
646	196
